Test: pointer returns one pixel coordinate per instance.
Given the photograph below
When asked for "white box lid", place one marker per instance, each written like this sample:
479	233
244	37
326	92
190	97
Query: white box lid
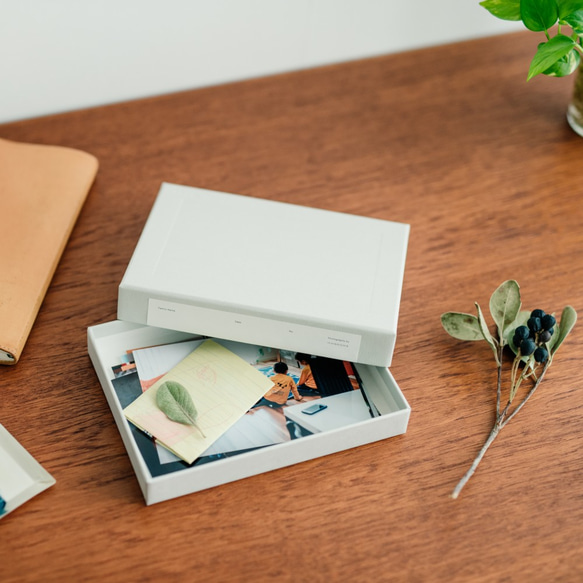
268	273
21	476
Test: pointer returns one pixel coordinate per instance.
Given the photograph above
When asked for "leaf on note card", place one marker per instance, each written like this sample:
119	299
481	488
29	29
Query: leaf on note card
175	401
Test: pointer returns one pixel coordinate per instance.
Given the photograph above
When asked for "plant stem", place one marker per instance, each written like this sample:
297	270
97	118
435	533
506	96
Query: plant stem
501	422
528	396
195	424
499	380
200	430
474	466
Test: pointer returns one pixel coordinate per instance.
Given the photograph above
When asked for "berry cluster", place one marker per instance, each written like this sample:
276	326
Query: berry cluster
531	339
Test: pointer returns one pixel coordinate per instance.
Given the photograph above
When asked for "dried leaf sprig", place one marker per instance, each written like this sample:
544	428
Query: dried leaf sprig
533	336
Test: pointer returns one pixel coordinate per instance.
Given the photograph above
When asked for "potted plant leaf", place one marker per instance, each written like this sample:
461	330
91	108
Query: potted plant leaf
559	55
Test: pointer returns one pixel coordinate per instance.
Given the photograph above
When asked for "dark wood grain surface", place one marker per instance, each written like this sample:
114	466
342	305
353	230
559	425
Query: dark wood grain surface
485	169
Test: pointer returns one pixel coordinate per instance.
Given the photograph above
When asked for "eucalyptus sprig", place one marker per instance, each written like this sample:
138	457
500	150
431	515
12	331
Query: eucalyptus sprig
560	54
533	337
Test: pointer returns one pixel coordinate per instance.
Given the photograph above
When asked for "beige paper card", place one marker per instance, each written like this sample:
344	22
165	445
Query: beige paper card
223	388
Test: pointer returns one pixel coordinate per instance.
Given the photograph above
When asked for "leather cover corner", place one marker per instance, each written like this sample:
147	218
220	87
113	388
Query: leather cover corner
42	190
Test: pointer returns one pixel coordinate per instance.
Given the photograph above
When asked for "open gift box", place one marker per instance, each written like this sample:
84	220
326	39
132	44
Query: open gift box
273	282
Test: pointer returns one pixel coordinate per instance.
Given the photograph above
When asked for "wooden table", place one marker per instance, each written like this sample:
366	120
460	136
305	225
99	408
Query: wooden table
484	167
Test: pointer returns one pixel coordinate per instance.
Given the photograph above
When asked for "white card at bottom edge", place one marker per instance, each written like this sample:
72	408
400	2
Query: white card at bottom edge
21	476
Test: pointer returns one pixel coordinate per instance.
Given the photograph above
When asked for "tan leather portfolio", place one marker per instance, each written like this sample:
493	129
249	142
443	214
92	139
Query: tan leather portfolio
42	190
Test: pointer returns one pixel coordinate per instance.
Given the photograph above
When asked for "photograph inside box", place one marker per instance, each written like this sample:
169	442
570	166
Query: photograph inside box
300	395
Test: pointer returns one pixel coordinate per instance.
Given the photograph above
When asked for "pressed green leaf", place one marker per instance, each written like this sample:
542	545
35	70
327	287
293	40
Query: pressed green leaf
567	7
504	305
538	15
485	332
549	53
575	21
568	320
564	66
503	9
462	326
175	401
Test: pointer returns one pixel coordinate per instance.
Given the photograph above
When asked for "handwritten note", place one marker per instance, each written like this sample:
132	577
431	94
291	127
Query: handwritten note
223	387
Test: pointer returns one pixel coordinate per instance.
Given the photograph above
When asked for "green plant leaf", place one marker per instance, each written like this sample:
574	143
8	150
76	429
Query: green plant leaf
462	326
564	66
520	320
575	21
538	15
486	332
568	320
549	53
503	9
567	7
175	401
556	333
505	305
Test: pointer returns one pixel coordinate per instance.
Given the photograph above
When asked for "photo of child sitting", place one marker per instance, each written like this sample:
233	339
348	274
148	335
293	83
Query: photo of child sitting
307	384
283	385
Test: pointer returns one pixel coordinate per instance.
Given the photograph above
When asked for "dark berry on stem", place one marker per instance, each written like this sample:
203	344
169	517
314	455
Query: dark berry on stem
541	354
534	324
527	347
537	314
548	322
521	332
545	336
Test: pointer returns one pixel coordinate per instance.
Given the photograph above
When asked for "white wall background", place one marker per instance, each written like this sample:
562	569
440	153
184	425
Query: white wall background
59	55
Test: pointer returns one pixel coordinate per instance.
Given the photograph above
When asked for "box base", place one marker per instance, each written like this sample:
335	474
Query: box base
107	342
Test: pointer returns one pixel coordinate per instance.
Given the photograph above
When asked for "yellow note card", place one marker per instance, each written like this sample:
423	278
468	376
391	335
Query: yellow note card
223	388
